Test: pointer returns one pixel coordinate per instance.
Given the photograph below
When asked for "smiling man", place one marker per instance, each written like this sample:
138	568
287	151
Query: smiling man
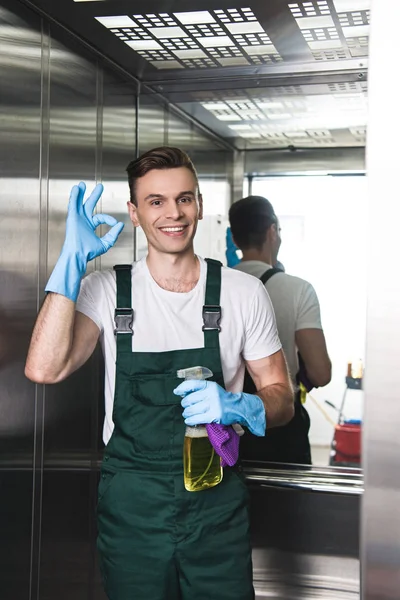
169	311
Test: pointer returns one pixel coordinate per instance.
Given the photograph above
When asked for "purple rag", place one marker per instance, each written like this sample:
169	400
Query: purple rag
225	442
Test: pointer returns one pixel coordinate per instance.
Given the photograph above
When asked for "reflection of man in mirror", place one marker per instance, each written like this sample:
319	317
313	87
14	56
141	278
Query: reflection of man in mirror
255	230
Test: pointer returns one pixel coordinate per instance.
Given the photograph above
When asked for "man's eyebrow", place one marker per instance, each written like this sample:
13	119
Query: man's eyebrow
188	193
158	196
152	196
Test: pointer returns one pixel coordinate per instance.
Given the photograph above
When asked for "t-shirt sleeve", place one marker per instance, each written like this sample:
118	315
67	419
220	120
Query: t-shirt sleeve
308	314
261	334
90	289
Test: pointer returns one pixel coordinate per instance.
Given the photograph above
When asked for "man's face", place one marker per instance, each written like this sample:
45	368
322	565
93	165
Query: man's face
278	236
168	209
275	237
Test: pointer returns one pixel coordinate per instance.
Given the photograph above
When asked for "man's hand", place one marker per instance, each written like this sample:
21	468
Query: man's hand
81	242
207	402
232	258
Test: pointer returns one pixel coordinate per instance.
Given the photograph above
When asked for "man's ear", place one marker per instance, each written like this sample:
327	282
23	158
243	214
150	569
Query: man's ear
132	210
273	232
200	207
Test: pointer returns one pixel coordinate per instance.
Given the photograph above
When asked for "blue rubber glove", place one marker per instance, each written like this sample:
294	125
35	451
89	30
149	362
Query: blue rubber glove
207	402
81	242
232	258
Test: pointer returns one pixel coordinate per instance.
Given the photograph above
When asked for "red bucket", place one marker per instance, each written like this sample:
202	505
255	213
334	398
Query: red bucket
347	443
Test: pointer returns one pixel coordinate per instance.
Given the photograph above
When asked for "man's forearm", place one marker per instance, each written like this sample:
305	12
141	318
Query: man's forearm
278	400
51	339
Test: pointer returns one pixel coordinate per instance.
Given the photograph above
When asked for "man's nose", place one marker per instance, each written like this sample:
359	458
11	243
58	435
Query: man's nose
174	210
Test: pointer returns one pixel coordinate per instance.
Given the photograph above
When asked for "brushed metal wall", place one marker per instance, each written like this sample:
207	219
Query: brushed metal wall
64	117
20	131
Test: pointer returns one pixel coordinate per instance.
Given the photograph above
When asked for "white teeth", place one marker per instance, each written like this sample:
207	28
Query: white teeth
172	229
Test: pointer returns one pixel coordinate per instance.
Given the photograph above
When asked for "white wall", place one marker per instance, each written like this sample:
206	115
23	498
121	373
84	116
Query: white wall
323	220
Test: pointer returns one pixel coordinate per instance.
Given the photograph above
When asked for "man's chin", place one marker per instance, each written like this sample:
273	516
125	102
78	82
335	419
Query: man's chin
173	248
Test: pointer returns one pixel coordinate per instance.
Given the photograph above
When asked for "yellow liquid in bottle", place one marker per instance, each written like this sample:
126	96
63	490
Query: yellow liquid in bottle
202	465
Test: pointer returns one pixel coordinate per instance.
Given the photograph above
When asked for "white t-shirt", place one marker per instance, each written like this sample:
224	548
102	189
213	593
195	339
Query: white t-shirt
295	303
166	321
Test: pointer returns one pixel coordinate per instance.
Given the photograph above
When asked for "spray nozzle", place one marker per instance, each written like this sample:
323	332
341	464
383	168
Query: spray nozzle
194	373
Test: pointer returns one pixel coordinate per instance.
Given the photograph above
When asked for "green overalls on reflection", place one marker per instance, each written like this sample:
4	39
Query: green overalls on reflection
156	540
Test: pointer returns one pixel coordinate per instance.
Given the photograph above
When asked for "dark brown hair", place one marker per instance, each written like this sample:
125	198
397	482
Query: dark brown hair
250	219
164	157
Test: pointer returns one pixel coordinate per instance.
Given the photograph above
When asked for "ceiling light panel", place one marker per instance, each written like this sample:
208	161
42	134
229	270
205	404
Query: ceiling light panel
196	39
241	127
296	134
144	45
216	41
118	21
325	44
315	22
301	118
328	40
317	8
356	31
351	5
240	28
354	19
198	17
232	61
167	32
330	55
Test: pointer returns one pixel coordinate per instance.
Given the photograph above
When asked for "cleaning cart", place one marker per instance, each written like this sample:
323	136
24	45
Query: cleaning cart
346	442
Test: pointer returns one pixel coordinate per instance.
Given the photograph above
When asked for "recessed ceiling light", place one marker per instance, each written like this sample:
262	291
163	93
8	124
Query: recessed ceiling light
261	49
214	105
315	22
250	134
144	45
351	5
325	44
296	134
118	21
167	32
232	61
240	28
231	117
194	18
216	41
185	54
358	31
167	64
241	127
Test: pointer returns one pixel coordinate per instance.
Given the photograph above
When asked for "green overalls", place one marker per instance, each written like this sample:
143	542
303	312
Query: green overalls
156	540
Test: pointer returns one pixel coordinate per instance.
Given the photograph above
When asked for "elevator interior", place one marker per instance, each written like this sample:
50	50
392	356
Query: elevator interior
249	90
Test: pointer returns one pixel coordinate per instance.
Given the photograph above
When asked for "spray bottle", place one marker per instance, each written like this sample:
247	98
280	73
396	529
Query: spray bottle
201	464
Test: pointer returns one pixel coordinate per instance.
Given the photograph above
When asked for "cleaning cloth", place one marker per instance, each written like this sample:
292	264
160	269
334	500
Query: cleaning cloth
225	441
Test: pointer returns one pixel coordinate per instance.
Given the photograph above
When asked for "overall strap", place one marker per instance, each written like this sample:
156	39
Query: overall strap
269	273
123	312
212	308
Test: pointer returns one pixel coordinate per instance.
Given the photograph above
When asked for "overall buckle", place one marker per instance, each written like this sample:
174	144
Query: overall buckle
123	318
211	317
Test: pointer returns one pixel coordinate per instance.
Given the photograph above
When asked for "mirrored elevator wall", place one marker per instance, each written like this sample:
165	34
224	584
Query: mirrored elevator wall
65	116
